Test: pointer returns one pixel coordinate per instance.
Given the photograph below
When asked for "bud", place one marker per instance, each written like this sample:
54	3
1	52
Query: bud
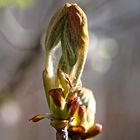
82	116
88	107
68	25
83	123
92	132
57	97
57	104
38	118
73	106
70	105
75	41
52	36
80	131
55	28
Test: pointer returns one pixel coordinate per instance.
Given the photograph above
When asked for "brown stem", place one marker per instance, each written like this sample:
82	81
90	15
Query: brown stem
62	134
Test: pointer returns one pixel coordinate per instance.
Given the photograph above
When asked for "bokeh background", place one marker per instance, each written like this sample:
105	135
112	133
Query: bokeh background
112	69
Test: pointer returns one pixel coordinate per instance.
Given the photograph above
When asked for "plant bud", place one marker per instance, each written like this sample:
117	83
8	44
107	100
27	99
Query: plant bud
38	118
57	96
52	36
55	28
77	29
80	131
72	106
75	41
87	99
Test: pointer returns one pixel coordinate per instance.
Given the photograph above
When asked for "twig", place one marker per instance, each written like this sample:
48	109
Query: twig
62	134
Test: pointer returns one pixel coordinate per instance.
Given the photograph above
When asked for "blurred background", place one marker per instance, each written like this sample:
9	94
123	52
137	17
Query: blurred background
112	69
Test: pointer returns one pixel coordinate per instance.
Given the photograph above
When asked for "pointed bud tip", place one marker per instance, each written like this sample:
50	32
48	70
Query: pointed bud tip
37	118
